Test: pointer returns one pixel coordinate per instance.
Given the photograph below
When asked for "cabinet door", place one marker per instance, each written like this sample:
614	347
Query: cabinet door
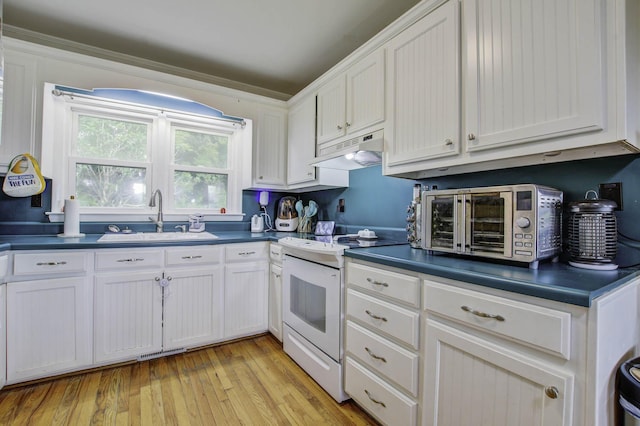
423	89
19	118
193	308
331	110
302	142
128	315
270	152
533	70
246	298
48	327
275	301
470	381
365	92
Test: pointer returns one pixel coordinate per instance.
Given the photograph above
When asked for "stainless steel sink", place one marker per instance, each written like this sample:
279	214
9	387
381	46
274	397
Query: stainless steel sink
156	236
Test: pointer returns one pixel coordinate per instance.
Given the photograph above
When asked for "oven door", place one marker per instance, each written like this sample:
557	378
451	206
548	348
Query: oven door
312	303
488	219
441	228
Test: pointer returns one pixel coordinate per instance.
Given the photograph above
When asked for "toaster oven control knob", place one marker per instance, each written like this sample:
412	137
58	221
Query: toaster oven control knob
523	222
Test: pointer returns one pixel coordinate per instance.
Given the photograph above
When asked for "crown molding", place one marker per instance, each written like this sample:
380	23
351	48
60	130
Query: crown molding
34	37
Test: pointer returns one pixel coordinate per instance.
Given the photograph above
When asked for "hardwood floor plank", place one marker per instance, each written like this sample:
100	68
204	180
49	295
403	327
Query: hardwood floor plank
247	382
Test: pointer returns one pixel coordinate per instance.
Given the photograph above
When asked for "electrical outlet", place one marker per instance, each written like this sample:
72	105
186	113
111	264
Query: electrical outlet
611	191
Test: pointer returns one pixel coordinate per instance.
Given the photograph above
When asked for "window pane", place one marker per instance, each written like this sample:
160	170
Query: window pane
200	149
200	190
100	137
109	186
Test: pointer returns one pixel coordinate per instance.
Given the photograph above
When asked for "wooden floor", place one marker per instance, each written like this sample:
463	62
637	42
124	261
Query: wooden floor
250	382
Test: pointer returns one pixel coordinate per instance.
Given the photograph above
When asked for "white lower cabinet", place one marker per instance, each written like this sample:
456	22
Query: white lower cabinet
246	289
48	327
140	313
470	381
382	342
128	315
275	290
192	308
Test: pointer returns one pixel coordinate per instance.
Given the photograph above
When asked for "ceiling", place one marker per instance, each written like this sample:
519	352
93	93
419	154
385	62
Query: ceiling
278	45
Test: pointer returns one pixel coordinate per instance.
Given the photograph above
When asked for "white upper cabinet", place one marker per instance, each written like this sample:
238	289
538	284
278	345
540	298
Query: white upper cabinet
19	114
533	71
423	90
537	82
302	142
270	151
352	101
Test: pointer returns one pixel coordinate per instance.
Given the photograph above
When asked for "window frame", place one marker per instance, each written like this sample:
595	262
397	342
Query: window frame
59	156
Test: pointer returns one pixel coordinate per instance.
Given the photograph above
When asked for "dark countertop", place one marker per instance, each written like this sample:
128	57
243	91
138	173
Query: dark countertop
90	241
555	281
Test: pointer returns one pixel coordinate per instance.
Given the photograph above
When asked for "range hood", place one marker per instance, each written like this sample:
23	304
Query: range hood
350	154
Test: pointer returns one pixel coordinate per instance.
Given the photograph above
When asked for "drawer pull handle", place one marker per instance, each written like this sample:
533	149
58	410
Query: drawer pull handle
375	400
192	257
51	263
376	282
246	253
137	259
374	316
551	392
482	314
374	356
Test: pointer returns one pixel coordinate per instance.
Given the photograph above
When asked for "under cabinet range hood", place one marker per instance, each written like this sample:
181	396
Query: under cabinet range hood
356	153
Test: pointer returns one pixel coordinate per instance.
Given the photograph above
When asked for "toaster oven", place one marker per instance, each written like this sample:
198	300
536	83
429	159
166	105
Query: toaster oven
521	223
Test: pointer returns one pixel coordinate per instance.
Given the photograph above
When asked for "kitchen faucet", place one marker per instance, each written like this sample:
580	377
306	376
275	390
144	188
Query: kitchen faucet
152	203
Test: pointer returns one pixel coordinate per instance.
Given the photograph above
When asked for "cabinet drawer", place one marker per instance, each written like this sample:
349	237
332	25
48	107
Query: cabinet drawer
244	252
395	321
403	288
129	259
193	255
4	267
378	397
536	326
275	253
49	262
383	356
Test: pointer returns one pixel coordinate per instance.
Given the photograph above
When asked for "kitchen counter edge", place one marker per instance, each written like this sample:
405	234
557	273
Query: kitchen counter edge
553	281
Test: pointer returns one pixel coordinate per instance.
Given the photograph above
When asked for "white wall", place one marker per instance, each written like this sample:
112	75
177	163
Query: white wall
28	66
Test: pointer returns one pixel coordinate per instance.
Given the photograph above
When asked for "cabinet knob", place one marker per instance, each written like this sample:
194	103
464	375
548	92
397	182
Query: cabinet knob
471	137
551	392
348	124
339	127
448	142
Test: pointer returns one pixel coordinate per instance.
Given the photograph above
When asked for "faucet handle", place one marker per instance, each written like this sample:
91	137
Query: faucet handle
183	228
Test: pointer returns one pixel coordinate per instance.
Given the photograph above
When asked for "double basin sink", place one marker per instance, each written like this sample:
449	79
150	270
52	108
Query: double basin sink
156	236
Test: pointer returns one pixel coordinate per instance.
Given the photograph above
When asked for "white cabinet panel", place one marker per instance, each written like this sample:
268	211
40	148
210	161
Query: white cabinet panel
19	115
48	327
193	309
246	298
270	153
533	70
470	381
423	89
331	110
275	301
301	149
365	93
352	101
128	315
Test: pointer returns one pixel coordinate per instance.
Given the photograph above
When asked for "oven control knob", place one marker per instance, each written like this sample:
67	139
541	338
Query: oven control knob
523	222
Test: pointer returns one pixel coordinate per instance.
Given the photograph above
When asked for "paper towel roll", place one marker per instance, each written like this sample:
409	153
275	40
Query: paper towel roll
71	218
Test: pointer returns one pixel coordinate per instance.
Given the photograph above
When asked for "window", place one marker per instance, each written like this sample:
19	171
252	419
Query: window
112	154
